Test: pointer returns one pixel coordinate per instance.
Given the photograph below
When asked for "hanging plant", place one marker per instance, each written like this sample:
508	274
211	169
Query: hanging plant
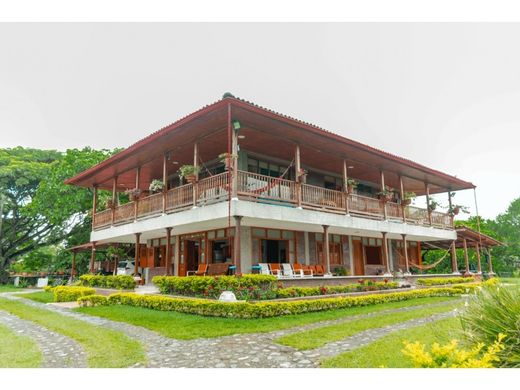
156	186
386	194
133	194
407	198
227	159
189	172
302	175
433	205
351	185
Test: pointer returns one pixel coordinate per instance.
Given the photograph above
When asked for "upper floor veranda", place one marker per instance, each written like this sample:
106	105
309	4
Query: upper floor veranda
235	149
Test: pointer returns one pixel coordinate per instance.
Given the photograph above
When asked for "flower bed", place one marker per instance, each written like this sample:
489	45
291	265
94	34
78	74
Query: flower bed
245	287
266	309
441	281
119	282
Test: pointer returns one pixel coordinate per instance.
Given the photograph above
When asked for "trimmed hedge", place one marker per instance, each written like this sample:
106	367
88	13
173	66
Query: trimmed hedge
119	282
71	293
93	300
264	309
291	292
441	281
245	287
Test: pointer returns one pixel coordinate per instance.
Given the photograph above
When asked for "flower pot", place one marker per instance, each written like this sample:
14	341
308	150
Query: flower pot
406	202
456	210
191	178
432	208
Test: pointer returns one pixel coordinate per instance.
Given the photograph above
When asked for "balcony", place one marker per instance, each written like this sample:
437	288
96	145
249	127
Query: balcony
268	190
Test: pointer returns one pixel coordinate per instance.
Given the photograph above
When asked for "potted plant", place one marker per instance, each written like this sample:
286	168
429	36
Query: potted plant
456	209
109	203
133	194
351	185
189	172
407	198
386	194
156	186
432	205
227	159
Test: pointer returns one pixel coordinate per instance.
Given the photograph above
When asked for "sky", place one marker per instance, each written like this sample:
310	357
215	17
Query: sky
444	95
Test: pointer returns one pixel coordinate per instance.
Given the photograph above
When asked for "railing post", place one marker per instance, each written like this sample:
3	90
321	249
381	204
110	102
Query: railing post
450	210
137	184
403	209
114	186
165	183
383	188
428	203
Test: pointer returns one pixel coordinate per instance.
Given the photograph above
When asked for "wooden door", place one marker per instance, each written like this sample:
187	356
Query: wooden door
357	254
334	254
191	255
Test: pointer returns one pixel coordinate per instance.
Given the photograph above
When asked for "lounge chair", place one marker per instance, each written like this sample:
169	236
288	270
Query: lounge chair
201	270
275	269
290	271
264	269
302	269
318	270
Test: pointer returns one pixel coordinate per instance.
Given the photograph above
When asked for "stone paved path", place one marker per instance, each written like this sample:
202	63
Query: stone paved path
242	350
58	351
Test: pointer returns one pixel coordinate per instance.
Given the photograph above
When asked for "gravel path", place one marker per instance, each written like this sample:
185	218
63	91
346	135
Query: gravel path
58	351
242	350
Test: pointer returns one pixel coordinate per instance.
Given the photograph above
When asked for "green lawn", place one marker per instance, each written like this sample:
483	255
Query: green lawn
18	351
510	280
317	337
104	347
9	288
188	326
40	296
386	352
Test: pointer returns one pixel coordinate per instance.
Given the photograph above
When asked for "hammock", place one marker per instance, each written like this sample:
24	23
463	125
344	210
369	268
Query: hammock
427	266
274	183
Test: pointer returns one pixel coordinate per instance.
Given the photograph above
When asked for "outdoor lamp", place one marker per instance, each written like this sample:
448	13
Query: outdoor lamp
236	125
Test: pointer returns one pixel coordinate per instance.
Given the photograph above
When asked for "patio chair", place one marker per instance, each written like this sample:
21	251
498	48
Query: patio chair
302	269
275	269
319	270
288	271
264	269
201	270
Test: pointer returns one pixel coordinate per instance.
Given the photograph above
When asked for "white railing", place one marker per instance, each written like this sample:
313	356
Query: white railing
263	187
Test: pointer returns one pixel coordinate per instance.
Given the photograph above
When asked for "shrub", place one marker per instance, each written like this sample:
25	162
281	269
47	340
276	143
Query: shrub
325	290
93	300
264	309
245	287
48	288
491	312
119	282
441	281
71	293
450	356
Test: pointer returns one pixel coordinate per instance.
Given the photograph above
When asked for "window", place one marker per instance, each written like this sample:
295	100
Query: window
268	168
373	255
333	183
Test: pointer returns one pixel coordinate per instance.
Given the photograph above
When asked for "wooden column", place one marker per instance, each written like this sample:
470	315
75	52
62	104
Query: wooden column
168	251
454	265
236	245
326	250
466	258
383	187
94	205
137	184
345	186
176	255
73	266
234	152
477	252
165	181
452	219
196	165
427	187
490	263
114	189
401	189
92	258
405	253
137	255
297	169
386	258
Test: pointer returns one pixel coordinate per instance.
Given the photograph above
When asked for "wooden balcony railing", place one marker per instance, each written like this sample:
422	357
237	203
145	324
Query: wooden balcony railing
265	189
323	198
213	189
365	205
124	213
103	218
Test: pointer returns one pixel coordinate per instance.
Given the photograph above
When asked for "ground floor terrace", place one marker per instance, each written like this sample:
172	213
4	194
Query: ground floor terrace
235	240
